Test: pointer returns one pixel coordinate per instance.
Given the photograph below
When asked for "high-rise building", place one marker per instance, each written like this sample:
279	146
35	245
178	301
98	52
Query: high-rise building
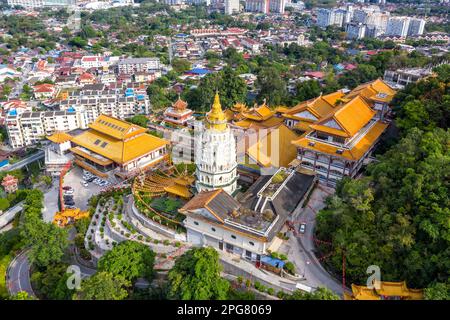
231	6
32	4
398	26
355	30
261	6
277	6
416	27
331	17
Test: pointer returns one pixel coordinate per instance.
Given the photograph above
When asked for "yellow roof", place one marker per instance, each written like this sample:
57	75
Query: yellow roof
116	128
259	114
347	119
385	288
377	90
60	137
284	151
357	151
319	107
118	150
216	118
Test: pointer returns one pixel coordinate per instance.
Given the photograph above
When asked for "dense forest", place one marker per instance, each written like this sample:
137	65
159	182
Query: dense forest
397	217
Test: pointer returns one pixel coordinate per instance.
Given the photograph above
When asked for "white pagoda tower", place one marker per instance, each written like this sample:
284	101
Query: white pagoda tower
215	153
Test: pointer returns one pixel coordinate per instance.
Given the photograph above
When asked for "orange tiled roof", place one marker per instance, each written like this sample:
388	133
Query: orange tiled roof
60	137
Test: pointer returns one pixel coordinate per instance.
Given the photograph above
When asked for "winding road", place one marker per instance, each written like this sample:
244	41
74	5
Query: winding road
18	275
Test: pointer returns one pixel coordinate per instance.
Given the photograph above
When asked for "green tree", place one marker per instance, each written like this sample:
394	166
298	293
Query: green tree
307	90
181	65
129	260
272	87
4	204
438	291
47	242
139	120
103	286
196	276
22	295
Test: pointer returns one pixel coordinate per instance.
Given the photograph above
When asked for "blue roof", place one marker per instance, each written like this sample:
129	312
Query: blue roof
140	97
199	71
277	263
71	109
13	112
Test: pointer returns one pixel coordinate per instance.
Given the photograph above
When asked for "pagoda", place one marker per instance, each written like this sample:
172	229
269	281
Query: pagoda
215	155
10	183
178	113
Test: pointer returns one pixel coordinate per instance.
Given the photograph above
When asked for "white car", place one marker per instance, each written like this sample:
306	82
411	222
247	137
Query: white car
68	192
85	184
103	183
302	228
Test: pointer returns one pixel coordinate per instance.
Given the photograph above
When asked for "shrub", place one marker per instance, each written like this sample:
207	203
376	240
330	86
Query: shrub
270	291
178	244
94	223
289	267
96	216
148	239
248	283
127	235
86	255
240	279
283	257
281	294
119	217
156	241
140	237
122	232
92	230
89	237
102	229
163	255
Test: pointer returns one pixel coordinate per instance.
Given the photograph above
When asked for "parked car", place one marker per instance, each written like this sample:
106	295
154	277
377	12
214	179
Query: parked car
85	184
68	192
69	203
302	228
67	188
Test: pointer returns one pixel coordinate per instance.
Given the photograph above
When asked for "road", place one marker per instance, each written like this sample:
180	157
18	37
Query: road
22	163
9	215
18	275
302	246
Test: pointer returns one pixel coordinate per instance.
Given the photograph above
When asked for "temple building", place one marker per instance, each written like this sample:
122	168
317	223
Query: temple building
340	130
57	153
247	225
258	117
69	216
215	155
178	113
113	146
384	290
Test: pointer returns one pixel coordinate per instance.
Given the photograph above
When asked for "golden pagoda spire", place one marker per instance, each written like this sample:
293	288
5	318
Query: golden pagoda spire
215	118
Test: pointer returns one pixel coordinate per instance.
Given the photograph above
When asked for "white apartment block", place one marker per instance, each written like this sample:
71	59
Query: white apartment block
133	65
231	6
398	26
331	17
277	6
29	128
94	103
261	6
31	4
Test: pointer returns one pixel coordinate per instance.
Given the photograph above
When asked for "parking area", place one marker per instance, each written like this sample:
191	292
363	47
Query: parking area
81	193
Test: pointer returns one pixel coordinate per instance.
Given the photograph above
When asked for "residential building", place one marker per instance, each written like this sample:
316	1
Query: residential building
31	4
331	17
113	146
355	30
277	6
29	128
133	65
402	77
416	27
261	6
231	6
398	26
115	103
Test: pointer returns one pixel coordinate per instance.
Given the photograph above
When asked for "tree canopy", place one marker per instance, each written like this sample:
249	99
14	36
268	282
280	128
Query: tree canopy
103	286
129	260
196	276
